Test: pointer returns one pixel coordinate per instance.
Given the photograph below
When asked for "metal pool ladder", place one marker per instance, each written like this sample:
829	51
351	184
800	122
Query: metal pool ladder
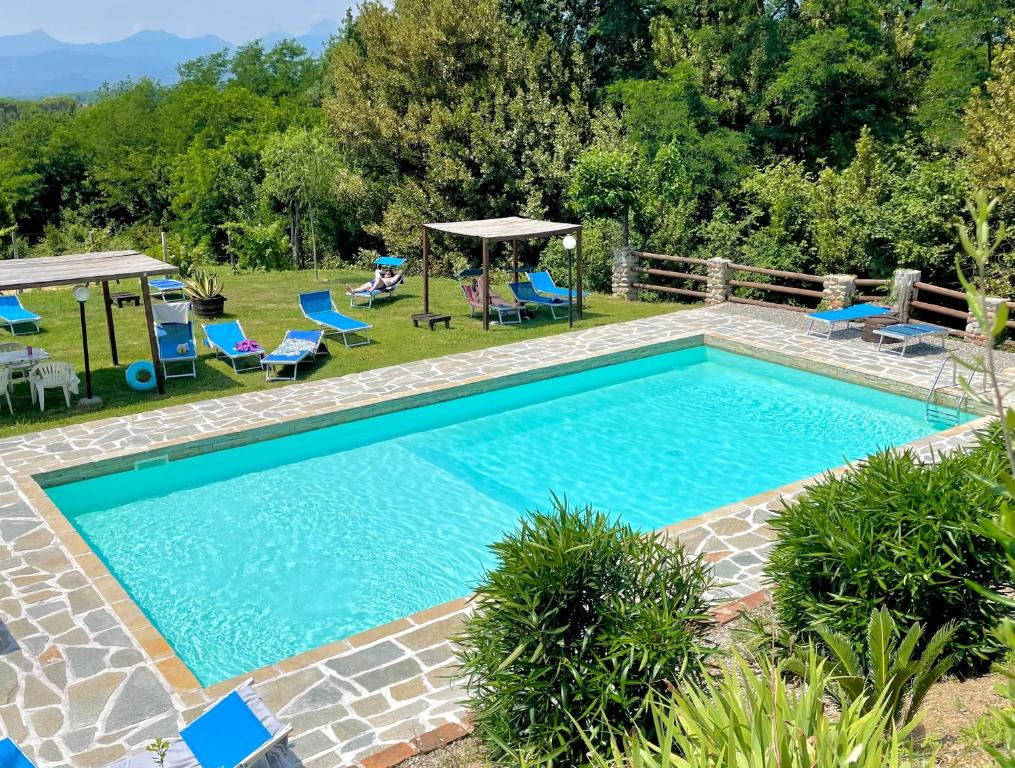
934	409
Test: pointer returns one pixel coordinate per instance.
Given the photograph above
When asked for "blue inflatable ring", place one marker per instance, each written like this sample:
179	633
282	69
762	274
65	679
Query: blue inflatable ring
134	372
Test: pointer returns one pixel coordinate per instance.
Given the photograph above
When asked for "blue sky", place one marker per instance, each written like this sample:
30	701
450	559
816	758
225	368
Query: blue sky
87	21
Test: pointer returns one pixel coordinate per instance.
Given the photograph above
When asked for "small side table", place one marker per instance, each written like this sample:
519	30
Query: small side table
124	297
431	319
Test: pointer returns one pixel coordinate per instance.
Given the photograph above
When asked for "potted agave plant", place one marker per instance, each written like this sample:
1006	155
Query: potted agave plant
205	291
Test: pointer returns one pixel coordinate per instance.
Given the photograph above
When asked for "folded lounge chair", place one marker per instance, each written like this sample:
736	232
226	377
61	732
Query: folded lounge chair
12	314
224	338
235	732
906	332
319	307
394	262
502	309
844	317
525	294
296	347
163	287
12	757
175	333
543	283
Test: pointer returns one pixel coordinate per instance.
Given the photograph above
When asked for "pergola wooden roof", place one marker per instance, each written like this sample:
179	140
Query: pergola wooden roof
507	229
73	269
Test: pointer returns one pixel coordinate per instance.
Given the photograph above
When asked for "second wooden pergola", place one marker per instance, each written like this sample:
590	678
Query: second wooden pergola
509	229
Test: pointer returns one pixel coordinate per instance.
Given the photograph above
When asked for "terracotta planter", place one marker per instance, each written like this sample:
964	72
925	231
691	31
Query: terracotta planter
212	307
873	323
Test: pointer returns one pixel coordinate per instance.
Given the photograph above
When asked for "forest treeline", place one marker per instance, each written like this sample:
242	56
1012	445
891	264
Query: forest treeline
817	136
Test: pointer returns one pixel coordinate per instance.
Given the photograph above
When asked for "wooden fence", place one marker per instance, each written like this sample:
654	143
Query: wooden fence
815	296
670	275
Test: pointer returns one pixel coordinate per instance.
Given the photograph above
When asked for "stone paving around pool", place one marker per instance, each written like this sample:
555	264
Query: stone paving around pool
84	678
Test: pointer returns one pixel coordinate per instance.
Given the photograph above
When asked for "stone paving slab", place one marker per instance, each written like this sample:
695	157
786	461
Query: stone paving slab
84	678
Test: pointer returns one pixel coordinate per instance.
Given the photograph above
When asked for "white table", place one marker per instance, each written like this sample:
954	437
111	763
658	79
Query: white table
21	359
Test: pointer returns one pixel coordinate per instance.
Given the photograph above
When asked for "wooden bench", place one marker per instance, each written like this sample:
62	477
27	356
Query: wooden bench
431	319
124	297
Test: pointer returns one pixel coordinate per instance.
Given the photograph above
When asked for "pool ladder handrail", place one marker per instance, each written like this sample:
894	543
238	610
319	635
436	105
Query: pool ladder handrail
933	408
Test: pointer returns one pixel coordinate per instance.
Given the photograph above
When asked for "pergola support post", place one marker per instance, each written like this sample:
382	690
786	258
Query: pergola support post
108	303
514	259
152	341
486	284
426	271
578	269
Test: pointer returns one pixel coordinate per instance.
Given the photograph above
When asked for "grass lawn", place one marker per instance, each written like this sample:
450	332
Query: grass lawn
266	305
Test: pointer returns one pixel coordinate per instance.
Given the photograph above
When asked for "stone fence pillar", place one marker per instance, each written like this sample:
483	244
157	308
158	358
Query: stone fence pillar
717	287
902	291
624	276
977	334
838	291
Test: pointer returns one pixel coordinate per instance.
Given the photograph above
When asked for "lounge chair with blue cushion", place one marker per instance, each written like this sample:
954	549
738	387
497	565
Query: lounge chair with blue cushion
525	294
319	307
544	284
228	340
296	347
907	332
175	333
12	757
844	316
164	287
235	732
365	299
12	314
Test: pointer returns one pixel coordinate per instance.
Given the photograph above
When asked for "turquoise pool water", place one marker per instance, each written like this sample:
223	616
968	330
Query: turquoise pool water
245	556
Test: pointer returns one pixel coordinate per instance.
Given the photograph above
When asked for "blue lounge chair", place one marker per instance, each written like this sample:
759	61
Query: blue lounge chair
394	262
12	314
844	317
296	347
906	332
543	283
175	333
223	338
319	307
163	287
235	732
12	757
525	294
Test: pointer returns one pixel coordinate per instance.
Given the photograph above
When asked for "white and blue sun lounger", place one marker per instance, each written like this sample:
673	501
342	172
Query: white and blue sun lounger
319	307
543	283
394	262
906	332
844	316
525	294
296	347
12	757
223	338
163	287
175	333
12	314
236	732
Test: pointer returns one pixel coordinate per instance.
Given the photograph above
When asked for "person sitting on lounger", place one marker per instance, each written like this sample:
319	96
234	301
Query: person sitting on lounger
495	299
384	278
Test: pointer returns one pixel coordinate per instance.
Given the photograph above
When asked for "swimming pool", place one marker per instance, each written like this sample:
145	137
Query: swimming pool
245	556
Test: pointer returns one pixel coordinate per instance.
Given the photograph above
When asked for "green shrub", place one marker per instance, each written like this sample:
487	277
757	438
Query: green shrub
889	671
896	534
750	717
579	621
600	237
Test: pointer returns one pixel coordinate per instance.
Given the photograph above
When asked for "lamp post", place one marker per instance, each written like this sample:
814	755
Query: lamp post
81	295
569	245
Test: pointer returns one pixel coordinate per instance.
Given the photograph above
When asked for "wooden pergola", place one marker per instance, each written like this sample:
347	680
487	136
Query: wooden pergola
509	229
74	269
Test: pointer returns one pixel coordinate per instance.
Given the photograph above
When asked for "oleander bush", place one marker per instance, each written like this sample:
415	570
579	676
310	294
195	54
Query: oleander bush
752	717
581	619
901	535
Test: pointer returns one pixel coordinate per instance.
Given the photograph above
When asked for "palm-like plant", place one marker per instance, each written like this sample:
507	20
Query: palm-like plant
203	285
889	672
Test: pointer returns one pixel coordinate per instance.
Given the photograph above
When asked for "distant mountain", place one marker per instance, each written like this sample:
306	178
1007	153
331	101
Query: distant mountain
34	64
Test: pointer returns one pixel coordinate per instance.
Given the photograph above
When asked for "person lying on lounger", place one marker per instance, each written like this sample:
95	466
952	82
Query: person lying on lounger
383	280
495	299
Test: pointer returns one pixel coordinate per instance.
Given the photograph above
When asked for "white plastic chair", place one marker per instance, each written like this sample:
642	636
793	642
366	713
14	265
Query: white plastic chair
51	375
5	386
